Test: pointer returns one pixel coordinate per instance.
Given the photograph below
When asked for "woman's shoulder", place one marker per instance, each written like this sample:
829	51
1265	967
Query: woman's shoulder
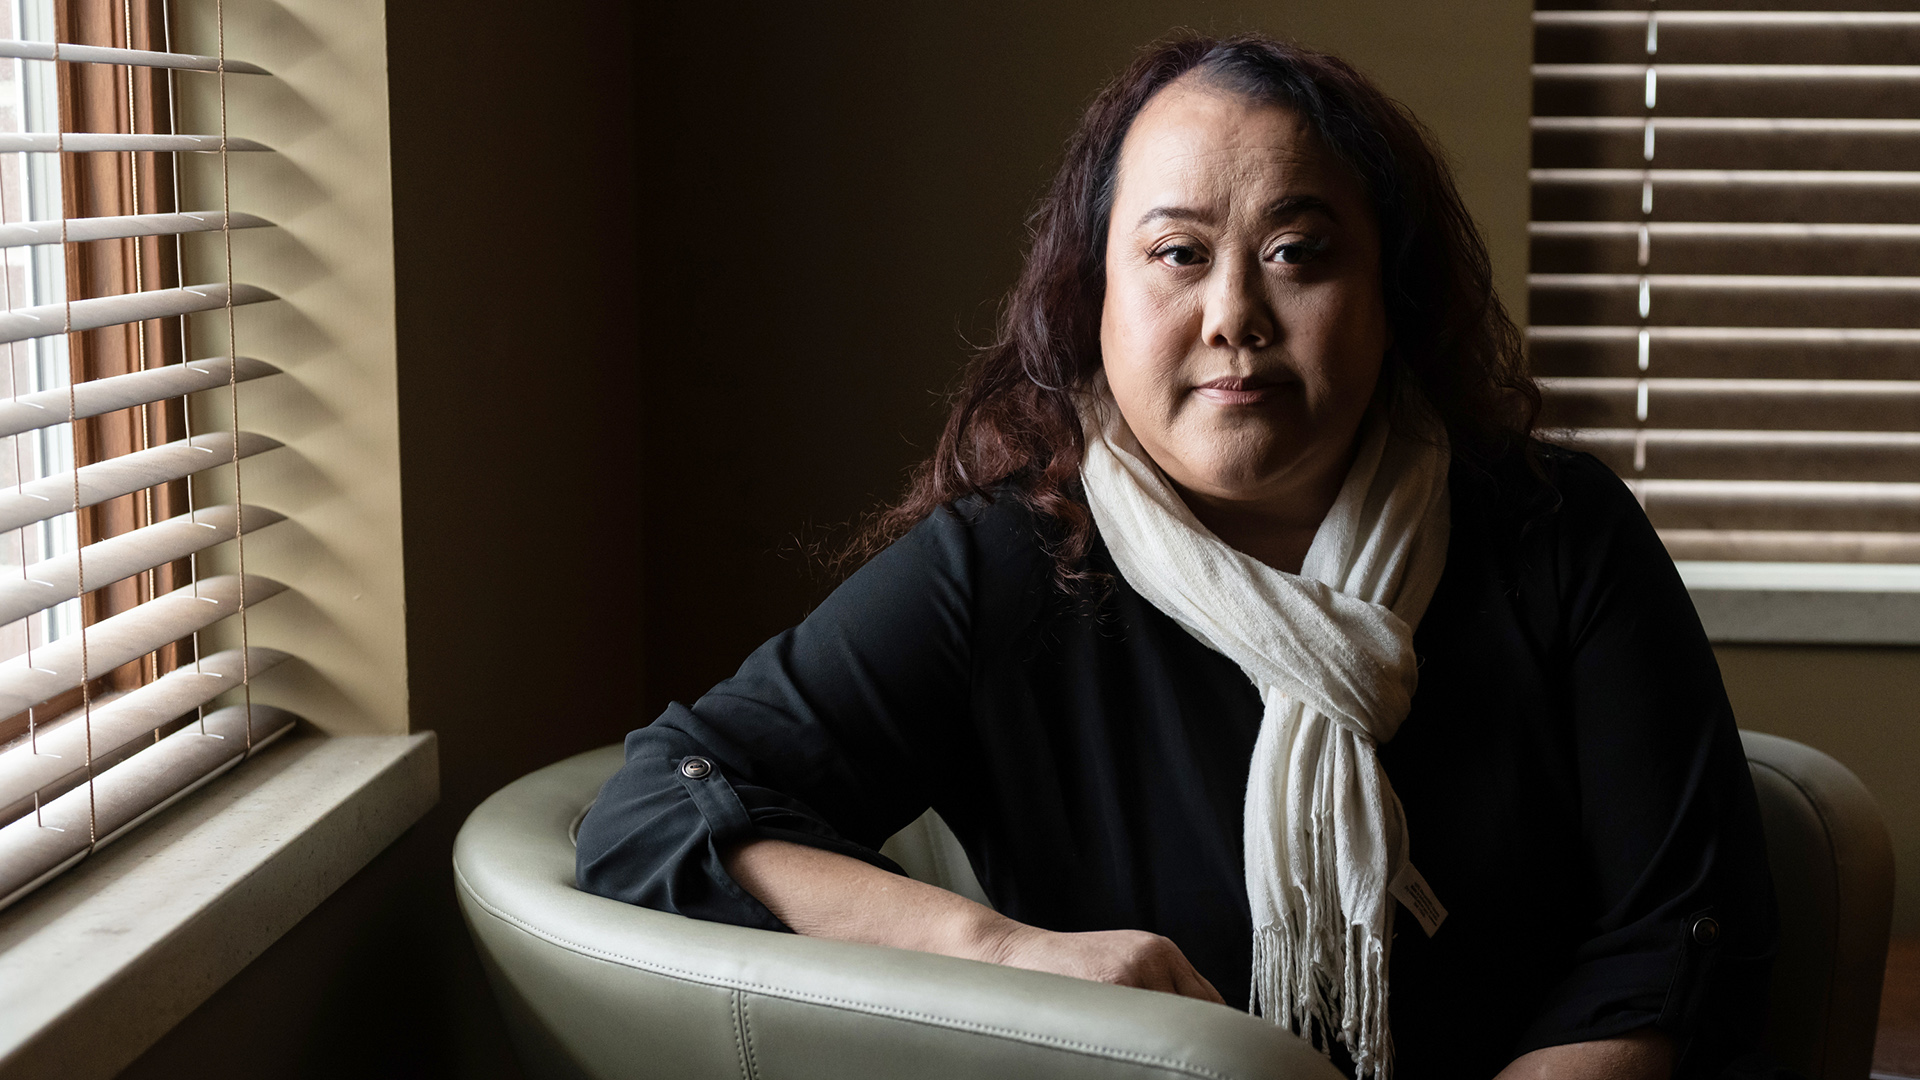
982	540
1543	483
1556	516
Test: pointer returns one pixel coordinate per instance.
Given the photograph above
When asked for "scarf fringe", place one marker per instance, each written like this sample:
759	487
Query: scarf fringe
1288	991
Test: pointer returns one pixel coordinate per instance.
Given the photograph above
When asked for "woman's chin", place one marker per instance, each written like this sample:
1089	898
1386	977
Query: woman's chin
1242	481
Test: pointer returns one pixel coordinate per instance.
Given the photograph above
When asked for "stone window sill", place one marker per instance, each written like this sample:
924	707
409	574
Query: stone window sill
1806	603
99	963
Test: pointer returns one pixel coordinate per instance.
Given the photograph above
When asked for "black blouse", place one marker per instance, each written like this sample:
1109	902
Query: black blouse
1574	786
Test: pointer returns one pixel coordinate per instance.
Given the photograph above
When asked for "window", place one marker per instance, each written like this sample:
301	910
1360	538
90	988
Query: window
1725	294
179	905
115	407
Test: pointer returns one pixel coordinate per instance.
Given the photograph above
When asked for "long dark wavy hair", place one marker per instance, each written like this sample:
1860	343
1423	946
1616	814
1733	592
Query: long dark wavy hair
1015	427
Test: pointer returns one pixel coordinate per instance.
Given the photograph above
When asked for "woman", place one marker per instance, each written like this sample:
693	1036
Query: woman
1247	641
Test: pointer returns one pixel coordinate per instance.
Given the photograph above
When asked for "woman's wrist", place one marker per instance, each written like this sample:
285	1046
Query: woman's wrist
981	933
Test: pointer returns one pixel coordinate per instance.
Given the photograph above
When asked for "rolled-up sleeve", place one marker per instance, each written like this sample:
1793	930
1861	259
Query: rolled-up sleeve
1680	924
831	735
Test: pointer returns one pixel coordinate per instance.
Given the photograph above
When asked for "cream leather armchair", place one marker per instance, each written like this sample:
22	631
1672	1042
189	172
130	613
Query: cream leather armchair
593	988
1833	873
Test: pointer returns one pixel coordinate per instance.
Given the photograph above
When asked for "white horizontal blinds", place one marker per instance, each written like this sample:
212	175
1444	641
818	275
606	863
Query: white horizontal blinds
84	143
120	725
75	316
64	831
90	54
77	777
120	228
27	412
1725	297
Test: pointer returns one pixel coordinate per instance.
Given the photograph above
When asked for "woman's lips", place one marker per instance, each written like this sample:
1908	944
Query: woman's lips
1237	391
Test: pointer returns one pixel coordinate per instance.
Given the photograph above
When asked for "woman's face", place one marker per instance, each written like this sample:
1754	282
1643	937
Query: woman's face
1243	329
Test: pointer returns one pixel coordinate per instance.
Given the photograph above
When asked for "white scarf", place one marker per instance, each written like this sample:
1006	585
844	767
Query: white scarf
1331	651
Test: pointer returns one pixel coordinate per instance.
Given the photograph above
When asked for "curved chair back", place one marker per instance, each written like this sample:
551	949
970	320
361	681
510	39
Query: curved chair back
1833	873
593	988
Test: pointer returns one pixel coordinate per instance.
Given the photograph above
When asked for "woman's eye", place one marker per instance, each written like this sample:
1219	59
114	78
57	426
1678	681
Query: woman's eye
1298	251
1178	255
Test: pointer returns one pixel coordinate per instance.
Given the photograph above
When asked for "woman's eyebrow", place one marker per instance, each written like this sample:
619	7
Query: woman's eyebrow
1173	213
1291	206
1294	206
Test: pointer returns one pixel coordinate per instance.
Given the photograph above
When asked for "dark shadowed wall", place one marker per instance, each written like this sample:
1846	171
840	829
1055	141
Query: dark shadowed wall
679	289
836	202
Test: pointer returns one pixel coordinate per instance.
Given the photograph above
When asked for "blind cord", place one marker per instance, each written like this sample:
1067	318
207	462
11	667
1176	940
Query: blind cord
233	372
186	403
73	436
1642	389
151	577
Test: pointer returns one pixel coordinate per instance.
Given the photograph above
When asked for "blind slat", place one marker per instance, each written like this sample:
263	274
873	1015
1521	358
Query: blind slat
29	412
1795	336
1788	73
1839	405
1731	142
1742	282
1637	20
1664	453
45	320
1775	230
124	475
91	142
53	581
1817	178
124	637
1727	249
1847	505
95	54
80	230
117	723
129	793
1727	299
1752	125
1766	545
1796	90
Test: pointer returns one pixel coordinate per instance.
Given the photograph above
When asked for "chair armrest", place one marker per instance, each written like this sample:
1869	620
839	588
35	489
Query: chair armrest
596	988
1833	875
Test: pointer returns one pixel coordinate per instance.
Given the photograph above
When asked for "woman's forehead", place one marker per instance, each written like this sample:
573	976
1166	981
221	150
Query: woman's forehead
1197	142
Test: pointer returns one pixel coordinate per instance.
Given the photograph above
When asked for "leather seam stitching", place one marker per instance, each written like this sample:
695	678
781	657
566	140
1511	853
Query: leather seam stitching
746	1025
1031	1038
739	1044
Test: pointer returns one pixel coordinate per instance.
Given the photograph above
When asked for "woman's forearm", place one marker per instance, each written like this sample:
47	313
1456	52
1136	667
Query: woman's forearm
1646	1054
824	894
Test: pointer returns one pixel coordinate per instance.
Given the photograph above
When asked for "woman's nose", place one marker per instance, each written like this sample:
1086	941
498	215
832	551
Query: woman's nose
1238	315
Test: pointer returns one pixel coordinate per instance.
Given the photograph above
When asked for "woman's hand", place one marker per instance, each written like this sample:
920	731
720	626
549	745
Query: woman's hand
823	894
1122	957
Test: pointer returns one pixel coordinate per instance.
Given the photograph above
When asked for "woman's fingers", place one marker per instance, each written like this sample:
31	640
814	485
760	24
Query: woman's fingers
1183	978
1188	982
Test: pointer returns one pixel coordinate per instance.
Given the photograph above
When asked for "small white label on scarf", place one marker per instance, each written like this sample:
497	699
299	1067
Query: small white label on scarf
1412	890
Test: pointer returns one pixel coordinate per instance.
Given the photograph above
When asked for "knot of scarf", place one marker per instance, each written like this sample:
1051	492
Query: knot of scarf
1330	651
